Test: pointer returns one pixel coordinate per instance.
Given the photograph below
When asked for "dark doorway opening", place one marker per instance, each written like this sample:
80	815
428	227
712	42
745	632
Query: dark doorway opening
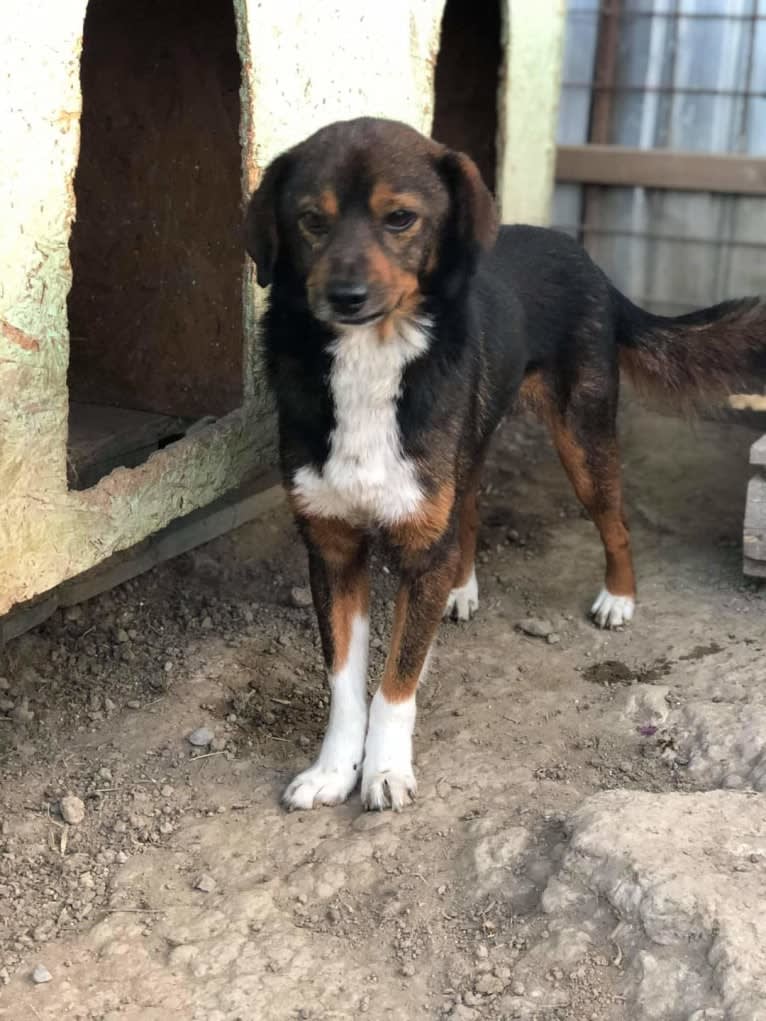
155	310
466	83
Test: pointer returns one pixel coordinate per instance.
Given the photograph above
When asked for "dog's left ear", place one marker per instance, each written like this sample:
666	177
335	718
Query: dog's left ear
261	220
475	220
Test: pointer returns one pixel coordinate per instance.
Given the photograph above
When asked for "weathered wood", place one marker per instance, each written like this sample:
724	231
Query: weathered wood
182	535
758	451
661	168
754	537
103	438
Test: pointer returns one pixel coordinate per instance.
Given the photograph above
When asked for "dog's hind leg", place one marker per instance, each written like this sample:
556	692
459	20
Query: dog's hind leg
584	433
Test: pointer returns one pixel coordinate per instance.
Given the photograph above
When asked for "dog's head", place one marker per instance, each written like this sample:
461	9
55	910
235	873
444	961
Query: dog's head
370	217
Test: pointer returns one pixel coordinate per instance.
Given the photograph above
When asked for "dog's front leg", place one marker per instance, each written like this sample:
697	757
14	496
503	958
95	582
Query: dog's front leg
340	586
388	778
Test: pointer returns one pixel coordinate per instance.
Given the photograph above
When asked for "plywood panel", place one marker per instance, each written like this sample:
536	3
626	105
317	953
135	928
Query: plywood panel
155	310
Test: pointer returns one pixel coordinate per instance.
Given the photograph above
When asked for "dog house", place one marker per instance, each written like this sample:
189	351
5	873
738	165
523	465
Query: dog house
131	393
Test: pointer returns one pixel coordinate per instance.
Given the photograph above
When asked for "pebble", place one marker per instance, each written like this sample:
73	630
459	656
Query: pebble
300	598
5	684
489	985
41	975
201	737
518	988
133	704
408	969
73	613
122	636
22	713
553	638
537	627
72	810
205	883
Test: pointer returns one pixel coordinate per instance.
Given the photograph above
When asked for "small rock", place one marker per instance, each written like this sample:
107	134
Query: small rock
5	684
553	638
518	988
22	713
104	773
408	969
166	791
73	613
201	737
122	636
205	883
300	598
41	975
207	623
489	985
133	704
537	627
481	951
72	810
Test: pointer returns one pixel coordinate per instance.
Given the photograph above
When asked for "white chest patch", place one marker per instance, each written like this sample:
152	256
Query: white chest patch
366	478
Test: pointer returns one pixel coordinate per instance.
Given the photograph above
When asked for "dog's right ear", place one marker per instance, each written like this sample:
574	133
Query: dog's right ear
261	220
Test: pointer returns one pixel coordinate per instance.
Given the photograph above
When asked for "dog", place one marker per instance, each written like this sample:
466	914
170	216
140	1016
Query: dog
402	324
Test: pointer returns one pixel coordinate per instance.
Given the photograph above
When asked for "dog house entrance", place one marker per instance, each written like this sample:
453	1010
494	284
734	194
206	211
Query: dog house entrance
155	309
467	80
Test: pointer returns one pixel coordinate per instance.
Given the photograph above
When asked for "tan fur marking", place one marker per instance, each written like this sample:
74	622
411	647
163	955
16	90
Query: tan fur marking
416	619
604	504
340	545
328	202
385	200
424	528
601	494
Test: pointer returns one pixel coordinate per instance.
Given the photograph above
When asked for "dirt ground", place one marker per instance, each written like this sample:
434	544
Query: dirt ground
589	840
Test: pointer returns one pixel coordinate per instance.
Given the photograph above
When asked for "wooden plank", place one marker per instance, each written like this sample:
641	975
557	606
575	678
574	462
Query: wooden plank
102	438
758	451
245	503
661	168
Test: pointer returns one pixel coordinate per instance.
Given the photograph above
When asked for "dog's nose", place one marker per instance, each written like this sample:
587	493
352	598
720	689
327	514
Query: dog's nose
347	298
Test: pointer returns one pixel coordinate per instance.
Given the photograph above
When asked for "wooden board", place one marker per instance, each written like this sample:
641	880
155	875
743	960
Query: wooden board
244	504
754	537
155	309
104	438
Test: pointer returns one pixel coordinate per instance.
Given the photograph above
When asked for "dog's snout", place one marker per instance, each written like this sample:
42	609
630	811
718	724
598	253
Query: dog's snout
347	298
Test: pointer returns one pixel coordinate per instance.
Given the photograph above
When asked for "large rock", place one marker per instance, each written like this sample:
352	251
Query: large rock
685	875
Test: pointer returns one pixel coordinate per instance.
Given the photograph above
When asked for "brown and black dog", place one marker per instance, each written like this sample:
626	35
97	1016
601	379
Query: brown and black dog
401	327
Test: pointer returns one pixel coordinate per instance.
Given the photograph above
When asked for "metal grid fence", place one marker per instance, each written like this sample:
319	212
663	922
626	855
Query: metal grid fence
662	146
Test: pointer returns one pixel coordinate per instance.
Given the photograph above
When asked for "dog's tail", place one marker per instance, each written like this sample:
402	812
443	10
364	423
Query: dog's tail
696	359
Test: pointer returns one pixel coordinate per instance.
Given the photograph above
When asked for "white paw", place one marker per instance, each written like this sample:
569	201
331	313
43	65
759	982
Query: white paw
612	611
463	602
387	778
320	786
388	789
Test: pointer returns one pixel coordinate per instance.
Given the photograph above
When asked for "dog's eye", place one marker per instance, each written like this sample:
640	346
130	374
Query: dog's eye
314	223
399	219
